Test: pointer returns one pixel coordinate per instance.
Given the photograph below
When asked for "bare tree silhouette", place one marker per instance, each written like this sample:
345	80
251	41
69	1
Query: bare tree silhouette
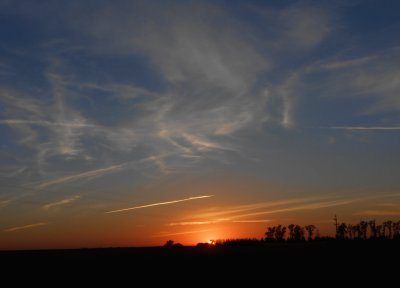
350	231
396	230
275	233
310	230
363	229
357	231
291	231
341	231
270	234
280	233
388	230
296	232
380	231
388	225
372	226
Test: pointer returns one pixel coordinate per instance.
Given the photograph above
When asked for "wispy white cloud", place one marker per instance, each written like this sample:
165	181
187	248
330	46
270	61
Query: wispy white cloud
216	87
61	202
160	163
201	144
123	91
212	71
66	138
160	203
30	226
306	26
373	80
5	202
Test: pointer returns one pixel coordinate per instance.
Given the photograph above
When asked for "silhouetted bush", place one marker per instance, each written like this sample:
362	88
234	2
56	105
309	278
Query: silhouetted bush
239	242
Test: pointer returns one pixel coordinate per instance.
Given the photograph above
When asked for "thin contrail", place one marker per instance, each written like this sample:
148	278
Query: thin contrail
160	203
366	127
45	123
61	202
27	226
182	233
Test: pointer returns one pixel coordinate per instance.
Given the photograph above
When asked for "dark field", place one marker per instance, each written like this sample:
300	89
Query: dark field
319	257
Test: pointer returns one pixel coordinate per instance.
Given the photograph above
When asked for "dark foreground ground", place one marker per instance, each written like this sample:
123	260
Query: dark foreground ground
364	261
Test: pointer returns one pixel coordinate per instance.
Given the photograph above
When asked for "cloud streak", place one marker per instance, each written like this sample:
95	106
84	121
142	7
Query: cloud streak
160	203
231	214
366	128
252	221
195	223
378	213
84	175
182	233
228	213
30	226
45	123
61	202
312	206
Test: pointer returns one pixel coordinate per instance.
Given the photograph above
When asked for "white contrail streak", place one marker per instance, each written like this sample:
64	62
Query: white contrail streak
45	123
61	202
26	227
83	175
366	128
251	221
182	233
160	203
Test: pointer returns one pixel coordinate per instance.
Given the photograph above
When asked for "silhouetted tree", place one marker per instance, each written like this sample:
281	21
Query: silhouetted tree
350	231
270	234
291	231
296	232
388	225
341	231
310	230
238	242
357	231
280	233
299	233
372	226
169	243
363	229
317	236
380	231
275	233
396	230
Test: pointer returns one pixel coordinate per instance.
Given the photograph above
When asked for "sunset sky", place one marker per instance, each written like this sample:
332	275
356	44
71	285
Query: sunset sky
129	123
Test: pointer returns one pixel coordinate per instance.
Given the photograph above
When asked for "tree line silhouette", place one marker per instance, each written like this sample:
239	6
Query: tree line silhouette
363	230
369	230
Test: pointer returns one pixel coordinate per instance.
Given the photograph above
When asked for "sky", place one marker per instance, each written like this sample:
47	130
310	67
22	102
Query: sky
129	123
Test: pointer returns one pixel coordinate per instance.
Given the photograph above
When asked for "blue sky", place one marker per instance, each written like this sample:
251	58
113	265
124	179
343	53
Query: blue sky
105	103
